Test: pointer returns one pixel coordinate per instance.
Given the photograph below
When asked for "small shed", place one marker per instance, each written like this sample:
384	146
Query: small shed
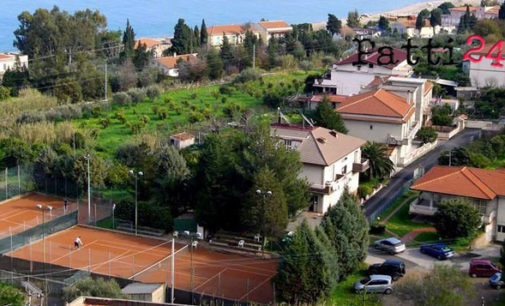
182	140
146	292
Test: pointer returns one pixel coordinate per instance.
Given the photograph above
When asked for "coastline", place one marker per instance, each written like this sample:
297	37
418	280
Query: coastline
415	8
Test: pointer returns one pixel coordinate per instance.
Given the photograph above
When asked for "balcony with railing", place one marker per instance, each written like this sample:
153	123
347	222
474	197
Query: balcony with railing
362	166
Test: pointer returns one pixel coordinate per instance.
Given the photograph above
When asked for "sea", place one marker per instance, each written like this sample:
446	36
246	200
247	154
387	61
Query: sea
156	18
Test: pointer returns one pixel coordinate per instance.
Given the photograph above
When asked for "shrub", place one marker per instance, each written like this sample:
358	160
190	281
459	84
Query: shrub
155	109
163	114
456	218
247	75
153	92
223	100
93	287
376	228
193	96
195	117
121	98
233	109
225	90
96	111
427	134
30	117
364	190
137	94
149	214
121	116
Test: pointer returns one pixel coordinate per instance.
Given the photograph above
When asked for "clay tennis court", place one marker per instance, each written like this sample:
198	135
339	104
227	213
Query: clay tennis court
147	260
19	214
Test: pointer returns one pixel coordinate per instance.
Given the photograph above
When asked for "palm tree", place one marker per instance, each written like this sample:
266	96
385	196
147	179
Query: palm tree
380	164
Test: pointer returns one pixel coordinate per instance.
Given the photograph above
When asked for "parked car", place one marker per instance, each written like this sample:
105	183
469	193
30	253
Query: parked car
393	268
374	284
496	281
390	245
437	250
482	268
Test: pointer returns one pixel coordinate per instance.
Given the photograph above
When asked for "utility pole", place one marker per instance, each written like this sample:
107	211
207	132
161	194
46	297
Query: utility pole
105	82
254	56
173	268
88	157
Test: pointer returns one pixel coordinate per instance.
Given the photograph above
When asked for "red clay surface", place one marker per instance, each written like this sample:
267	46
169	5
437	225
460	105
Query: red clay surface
143	259
21	214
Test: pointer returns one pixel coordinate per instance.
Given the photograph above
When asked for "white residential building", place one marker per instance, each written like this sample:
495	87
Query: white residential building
331	161
156	45
274	28
452	19
182	140
348	79
169	64
384	117
485	189
11	61
483	74
234	32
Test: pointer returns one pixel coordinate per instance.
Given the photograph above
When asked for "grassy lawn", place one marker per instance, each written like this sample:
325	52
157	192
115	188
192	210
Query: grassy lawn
401	222
344	295
181	105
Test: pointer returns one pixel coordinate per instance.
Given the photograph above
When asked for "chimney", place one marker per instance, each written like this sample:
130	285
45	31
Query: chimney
410	97
175	54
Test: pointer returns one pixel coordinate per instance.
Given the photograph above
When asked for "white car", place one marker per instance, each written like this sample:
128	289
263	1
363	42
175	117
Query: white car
390	245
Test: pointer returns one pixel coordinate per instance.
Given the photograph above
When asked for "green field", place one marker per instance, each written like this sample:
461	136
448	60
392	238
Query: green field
344	295
181	105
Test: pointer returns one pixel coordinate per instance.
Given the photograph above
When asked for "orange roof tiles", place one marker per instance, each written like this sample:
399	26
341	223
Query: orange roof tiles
463	181
4	56
331	98
463	8
274	24
229	29
485	50
378	102
171	61
149	42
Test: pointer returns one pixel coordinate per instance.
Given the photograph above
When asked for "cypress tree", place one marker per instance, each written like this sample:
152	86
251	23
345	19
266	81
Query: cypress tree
204	36
196	34
304	276
226	51
327	117
128	40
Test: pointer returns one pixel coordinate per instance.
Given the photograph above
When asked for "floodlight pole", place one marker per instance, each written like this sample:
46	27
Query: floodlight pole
87	157
173	270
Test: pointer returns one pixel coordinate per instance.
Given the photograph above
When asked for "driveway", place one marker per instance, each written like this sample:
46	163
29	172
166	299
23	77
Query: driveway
413	258
427	161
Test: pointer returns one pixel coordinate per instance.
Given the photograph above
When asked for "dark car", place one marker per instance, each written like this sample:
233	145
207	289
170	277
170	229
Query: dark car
393	268
437	250
482	268
496	281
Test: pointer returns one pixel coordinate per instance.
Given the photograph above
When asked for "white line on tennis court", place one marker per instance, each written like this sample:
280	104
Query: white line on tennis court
158	262
208	280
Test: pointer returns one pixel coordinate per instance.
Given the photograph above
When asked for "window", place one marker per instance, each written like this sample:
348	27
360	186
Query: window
501	228
344	170
371	127
359	68
288	143
370	65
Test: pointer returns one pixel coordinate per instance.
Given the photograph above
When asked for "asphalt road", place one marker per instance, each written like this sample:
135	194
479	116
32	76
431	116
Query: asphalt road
427	162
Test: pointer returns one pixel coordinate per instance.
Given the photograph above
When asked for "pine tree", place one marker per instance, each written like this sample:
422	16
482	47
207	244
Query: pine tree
128	41
333	25
204	36
304	276
141	57
327	117
183	40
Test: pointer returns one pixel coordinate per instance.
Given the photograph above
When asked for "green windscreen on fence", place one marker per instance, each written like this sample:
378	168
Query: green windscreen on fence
15	241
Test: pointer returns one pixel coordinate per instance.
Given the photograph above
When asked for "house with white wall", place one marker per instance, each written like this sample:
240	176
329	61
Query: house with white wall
480	12
10	61
384	117
331	160
234	32
348	79
155	45
483	73
169	64
273	28
182	140
485	189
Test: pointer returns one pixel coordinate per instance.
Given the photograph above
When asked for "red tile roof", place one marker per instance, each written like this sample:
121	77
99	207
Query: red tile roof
4	56
463	8
171	61
398	55
274	24
487	47
377	102
427	87
229	29
463	181
149	42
